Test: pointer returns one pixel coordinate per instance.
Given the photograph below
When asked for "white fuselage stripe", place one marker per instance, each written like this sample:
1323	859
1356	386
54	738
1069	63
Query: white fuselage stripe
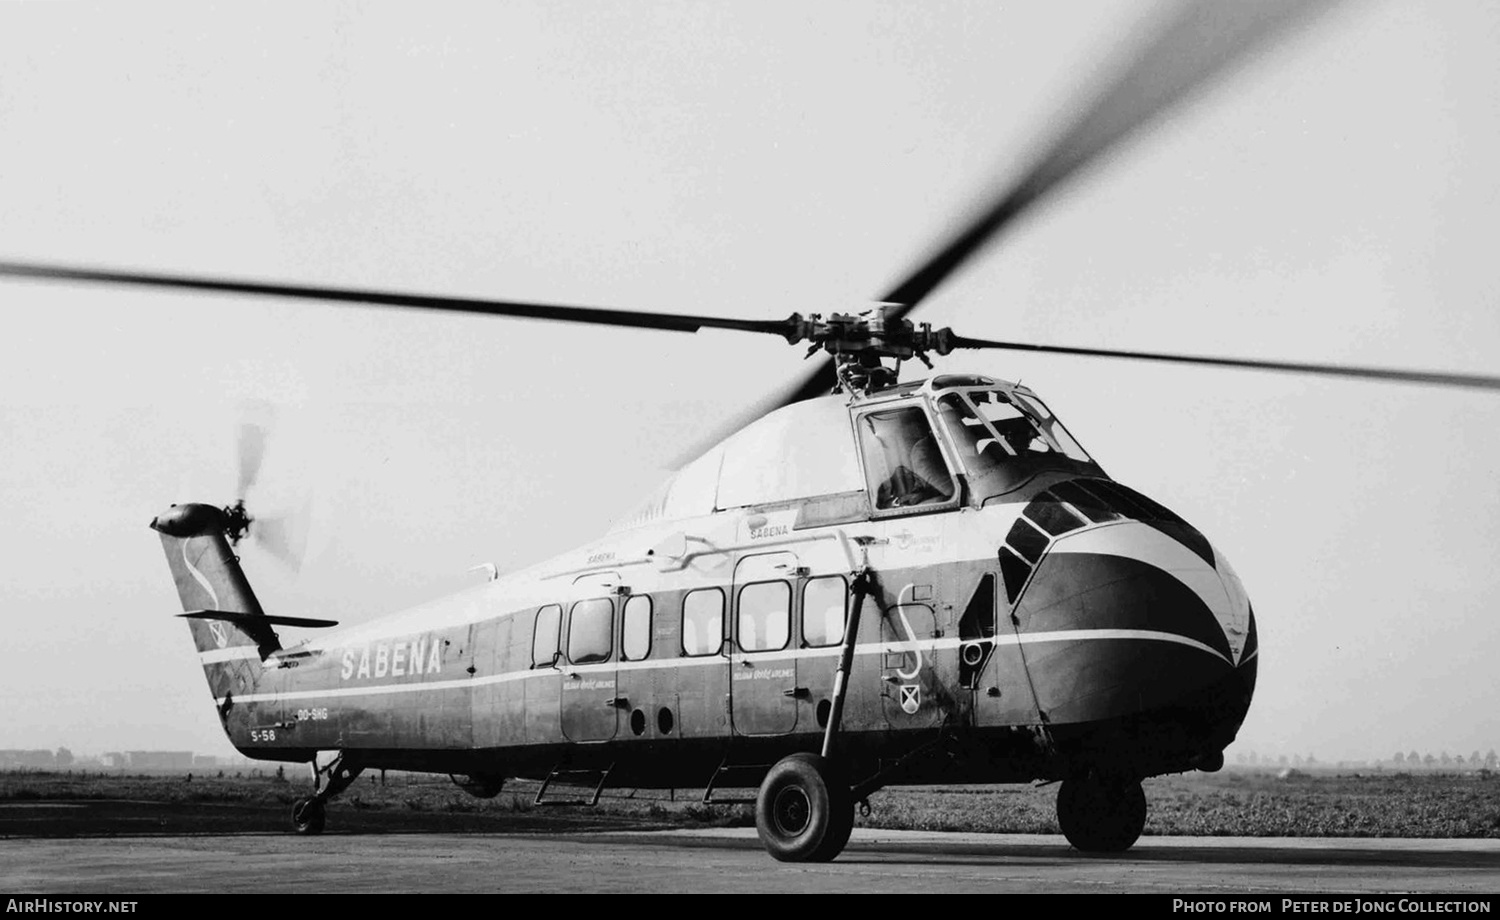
873	648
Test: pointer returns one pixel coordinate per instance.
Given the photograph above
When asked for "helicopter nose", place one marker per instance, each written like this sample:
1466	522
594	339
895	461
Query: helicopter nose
1130	610
1132	576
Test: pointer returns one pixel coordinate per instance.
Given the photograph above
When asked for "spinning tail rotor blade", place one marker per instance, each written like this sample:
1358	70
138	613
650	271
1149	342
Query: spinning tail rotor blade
1438	378
282	532
252	452
283	536
1202	42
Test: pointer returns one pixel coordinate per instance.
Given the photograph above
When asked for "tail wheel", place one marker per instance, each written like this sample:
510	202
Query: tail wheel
804	811
308	816
479	785
1101	816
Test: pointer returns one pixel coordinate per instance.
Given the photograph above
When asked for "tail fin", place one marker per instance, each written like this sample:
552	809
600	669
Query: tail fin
234	636
210	581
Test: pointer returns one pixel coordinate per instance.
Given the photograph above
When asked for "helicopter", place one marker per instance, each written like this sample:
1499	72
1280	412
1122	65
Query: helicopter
886	585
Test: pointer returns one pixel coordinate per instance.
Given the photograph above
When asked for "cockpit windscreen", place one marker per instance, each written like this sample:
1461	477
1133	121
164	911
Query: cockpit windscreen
1003	439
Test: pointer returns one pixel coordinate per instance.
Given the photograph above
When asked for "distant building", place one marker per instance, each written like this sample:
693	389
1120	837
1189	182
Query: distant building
27	760
160	760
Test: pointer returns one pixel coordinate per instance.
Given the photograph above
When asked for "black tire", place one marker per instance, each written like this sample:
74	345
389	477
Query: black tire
1101	816
480	785
839	838
308	816
804	811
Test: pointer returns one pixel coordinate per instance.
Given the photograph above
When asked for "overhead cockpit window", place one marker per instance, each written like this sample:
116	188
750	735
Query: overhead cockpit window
903	462
1002	439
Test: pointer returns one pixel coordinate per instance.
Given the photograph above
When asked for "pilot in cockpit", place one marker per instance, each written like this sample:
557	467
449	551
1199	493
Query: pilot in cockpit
907	453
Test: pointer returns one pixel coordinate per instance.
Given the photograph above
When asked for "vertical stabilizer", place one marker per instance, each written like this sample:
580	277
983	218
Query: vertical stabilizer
209	578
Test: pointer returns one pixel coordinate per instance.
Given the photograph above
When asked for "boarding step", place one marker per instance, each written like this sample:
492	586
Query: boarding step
560	771
726	773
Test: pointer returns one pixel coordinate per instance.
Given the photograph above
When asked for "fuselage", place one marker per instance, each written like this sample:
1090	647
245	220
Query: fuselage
1029	618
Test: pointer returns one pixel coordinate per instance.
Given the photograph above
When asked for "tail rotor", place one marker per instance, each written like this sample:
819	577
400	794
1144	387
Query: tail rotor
282	534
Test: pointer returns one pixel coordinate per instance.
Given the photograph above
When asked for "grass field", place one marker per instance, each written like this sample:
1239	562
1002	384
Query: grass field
1230	803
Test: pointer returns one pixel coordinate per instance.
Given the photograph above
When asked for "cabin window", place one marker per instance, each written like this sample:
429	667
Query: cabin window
824	610
591	631
765	616
544	640
635	632
903	463
703	622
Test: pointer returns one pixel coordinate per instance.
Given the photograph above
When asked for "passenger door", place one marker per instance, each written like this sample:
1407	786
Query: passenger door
702	672
590	709
763	661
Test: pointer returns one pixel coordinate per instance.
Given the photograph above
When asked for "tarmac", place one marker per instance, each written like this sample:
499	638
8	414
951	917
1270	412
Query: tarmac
731	861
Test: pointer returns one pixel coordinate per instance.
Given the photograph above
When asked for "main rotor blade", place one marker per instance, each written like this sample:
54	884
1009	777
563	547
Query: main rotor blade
1438	378
1202	42
605	317
818	382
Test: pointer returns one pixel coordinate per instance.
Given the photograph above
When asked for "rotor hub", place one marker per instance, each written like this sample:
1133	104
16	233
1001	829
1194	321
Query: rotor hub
236	522
860	343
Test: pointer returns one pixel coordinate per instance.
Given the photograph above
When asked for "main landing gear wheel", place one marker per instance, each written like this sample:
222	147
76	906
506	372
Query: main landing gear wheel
804	811
308	816
1101	816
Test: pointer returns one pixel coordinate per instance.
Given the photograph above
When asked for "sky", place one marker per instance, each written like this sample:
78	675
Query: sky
1334	200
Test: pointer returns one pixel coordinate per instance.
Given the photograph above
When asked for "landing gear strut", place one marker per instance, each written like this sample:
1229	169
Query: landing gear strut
1101	814
308	815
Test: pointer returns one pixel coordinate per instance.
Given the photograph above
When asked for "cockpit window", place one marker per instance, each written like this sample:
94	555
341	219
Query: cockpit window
1003	439
902	459
1051	428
